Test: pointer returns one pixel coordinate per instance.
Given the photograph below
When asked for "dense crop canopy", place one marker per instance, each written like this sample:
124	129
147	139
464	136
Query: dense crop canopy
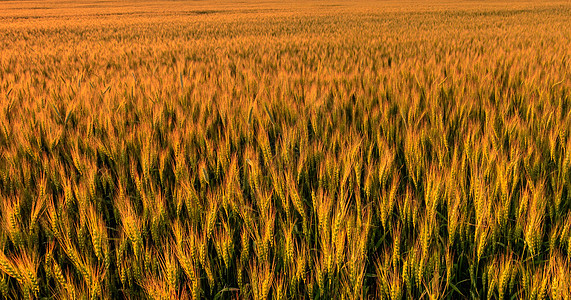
285	150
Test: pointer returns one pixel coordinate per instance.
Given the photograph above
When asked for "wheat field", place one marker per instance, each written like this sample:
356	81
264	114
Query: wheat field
285	149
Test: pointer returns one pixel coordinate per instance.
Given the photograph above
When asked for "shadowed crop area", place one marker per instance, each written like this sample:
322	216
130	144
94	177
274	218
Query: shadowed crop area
285	150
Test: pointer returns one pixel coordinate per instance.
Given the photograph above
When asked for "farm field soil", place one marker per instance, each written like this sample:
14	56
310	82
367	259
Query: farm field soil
285	149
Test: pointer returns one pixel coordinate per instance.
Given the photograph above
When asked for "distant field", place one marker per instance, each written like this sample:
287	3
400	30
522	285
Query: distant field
285	150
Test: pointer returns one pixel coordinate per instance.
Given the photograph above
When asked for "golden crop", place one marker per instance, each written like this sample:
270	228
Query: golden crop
285	150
